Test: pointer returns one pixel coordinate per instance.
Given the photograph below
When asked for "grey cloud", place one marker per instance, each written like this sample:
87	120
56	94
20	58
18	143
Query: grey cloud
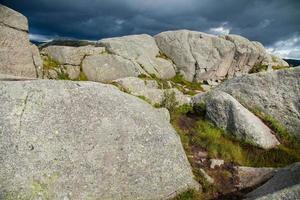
267	21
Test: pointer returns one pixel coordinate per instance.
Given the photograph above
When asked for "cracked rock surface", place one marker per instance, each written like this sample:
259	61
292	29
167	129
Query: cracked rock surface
79	140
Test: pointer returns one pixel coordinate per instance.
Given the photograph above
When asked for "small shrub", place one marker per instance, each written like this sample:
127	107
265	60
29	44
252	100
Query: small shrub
169	100
50	64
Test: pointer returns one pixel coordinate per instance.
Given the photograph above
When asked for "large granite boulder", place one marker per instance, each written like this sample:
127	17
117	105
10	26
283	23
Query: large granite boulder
196	54
86	140
108	67
284	185
227	113
247	55
275	93
17	55
142	50
203	57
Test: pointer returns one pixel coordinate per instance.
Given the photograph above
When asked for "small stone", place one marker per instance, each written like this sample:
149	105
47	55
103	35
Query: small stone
208	178
216	163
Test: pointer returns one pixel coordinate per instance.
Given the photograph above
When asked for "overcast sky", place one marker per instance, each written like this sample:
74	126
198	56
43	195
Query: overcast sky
275	23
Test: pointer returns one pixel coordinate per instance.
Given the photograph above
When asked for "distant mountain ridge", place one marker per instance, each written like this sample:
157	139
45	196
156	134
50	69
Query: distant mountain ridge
293	62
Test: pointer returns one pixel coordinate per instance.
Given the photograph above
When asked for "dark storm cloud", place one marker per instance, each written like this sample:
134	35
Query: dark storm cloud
267	21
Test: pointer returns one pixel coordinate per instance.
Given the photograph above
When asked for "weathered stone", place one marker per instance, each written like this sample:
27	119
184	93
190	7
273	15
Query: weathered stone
207	178
247	55
66	55
285	184
81	140
108	67
17	56
228	114
150	90
165	113
272	60
275	93
72	71
13	19
250	176
142	50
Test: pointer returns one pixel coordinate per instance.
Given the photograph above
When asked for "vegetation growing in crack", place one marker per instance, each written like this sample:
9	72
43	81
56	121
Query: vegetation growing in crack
50	64
258	68
169	100
186	87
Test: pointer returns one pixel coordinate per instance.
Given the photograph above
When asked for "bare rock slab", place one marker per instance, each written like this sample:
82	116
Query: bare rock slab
227	113
86	140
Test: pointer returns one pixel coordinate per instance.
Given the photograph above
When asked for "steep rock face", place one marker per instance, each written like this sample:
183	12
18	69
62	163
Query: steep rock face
142	50
195	53
202	57
228	114
276	93
80	140
247	54
284	185
18	56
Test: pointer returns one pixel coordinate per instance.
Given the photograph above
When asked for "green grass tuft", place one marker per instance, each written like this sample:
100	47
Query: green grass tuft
188	195
195	130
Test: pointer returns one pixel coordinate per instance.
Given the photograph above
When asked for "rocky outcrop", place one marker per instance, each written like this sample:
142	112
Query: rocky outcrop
69	58
284	185
274	61
18	56
150	90
196	54
80	140
228	114
142	51
275	93
202	57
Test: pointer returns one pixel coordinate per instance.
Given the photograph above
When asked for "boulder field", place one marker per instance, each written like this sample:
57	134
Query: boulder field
197	56
102	129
